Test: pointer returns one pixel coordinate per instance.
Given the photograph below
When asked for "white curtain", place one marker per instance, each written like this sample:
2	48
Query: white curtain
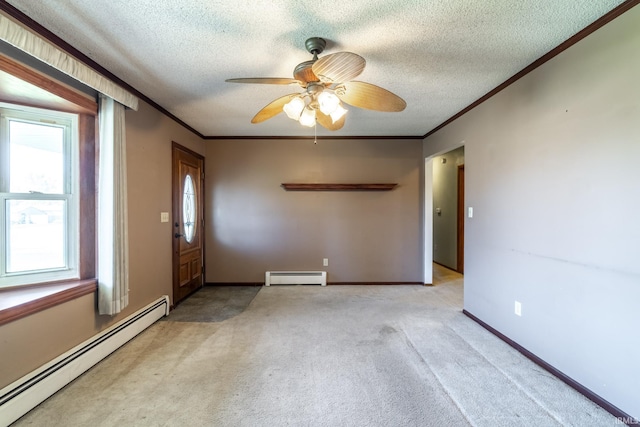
17	35
113	246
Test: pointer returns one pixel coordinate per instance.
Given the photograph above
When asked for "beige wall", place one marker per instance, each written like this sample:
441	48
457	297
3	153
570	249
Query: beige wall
254	225
28	343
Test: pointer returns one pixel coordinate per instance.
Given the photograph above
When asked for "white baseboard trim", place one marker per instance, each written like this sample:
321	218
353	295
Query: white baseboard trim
21	396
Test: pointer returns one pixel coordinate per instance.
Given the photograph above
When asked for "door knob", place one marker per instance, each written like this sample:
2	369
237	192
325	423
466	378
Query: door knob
178	235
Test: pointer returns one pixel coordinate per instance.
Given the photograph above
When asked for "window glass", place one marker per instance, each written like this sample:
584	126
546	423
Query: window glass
36	158
189	209
35	235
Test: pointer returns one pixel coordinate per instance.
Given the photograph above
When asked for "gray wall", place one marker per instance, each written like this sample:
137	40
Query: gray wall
552	174
445	198
254	225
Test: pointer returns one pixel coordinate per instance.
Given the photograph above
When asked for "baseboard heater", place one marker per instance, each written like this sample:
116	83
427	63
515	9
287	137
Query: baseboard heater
295	278
29	391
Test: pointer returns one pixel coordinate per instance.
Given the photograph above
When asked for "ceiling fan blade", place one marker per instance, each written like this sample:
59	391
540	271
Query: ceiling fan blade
265	80
327	123
273	109
370	97
338	67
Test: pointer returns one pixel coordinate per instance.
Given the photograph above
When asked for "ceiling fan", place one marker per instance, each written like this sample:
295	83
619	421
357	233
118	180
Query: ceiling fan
327	81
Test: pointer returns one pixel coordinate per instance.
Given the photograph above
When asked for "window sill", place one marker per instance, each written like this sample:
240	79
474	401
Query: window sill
20	302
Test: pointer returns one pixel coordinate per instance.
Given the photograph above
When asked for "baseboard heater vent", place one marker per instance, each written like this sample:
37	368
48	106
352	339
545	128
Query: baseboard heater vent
295	278
20	397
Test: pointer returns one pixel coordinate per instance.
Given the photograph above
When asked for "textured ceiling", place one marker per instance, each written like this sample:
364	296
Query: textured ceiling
439	55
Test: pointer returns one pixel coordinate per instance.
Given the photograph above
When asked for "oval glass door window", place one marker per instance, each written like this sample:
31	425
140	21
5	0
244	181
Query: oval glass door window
189	209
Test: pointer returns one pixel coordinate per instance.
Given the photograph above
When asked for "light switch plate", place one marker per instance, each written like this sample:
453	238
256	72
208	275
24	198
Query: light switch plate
164	216
470	212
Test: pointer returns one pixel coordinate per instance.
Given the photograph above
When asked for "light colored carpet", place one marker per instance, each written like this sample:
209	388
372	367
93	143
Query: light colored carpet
321	356
214	304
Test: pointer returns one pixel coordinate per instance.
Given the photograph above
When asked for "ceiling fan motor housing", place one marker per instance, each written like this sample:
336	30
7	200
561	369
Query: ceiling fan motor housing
315	45
304	73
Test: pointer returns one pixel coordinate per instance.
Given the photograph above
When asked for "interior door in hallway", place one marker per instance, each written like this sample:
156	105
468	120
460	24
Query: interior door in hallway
188	222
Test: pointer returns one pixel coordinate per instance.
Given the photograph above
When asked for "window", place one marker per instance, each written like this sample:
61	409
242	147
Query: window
189	209
39	195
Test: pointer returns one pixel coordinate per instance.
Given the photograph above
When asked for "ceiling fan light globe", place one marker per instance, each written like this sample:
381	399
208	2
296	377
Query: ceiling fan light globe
328	102
337	113
308	117
294	108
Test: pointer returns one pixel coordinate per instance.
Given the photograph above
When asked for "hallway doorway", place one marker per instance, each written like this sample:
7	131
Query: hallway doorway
448	209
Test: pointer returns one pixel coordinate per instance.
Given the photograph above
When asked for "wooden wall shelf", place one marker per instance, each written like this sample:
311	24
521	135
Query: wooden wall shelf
338	187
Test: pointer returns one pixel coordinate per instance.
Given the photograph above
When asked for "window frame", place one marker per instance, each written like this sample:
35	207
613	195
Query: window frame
69	195
37	89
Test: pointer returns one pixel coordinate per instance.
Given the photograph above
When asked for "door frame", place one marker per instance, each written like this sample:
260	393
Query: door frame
427	213
460	221
176	205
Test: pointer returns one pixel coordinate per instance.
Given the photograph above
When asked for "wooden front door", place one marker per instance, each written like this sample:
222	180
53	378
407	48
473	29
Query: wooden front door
188	222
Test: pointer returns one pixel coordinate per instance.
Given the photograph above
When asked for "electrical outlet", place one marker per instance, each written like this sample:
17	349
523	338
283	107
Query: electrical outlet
325	262
518	308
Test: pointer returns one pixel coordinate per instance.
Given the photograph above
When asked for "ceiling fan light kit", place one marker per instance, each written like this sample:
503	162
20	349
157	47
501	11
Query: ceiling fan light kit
328	82
303	108
328	102
294	108
308	117
338	113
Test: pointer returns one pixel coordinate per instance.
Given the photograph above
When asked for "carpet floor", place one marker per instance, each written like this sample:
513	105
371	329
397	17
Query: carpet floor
318	356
